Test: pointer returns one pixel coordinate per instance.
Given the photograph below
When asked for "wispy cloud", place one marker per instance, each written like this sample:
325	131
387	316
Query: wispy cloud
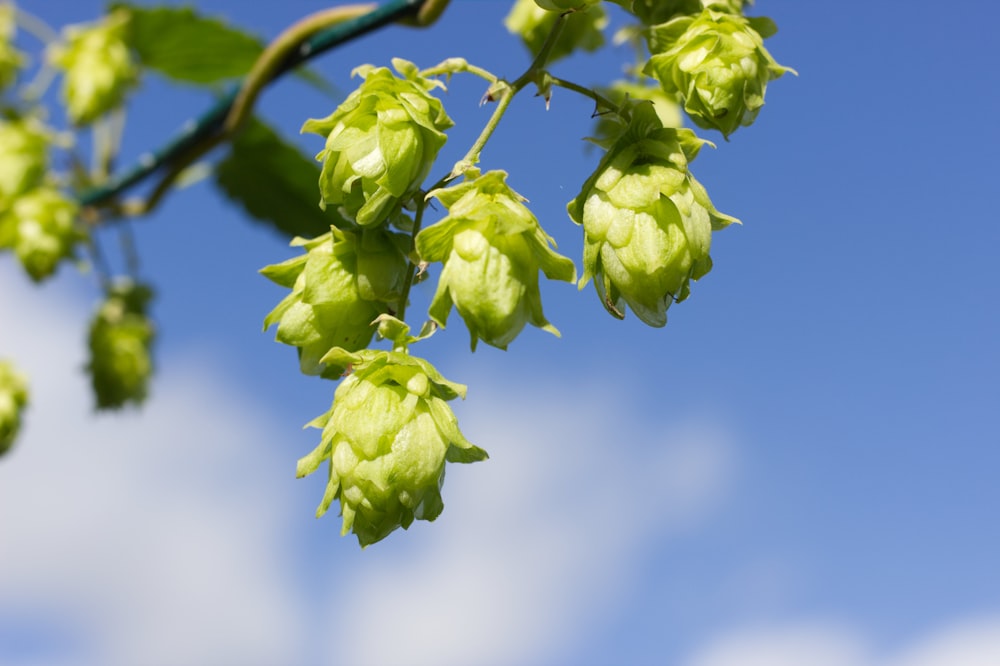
970	642
147	538
543	541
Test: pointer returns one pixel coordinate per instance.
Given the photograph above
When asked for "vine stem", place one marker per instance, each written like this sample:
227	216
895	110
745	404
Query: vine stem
507	92
599	99
270	61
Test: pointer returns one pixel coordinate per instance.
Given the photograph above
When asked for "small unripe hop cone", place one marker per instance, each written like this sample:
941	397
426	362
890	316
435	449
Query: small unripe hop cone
120	339
13	399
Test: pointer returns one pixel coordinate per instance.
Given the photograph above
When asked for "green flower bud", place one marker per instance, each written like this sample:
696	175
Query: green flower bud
387	438
120	339
41	227
24	146
652	12
608	125
380	143
339	286
564	5
492	248
98	66
581	30
11	60
717	62
647	222
13	399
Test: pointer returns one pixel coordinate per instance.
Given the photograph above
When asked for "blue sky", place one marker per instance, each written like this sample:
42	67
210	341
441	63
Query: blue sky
800	468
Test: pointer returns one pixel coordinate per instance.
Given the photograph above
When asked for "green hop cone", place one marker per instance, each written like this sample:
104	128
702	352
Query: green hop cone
492	248
41	227
120	339
717	62
98	67
13	399
564	5
387	438
11	60
608	126
380	143
581	30
24	144
339	286
647	222
651	12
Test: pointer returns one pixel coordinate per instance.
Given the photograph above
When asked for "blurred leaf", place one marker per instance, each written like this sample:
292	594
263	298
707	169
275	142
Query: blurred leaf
185	46
180	44
275	183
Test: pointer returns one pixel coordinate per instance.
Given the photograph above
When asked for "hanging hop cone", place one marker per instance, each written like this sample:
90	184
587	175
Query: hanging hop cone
492	248
97	65
717	62
339	286
387	438
647	222
11	60
13	400
121	336
24	144
42	229
380	143
580	31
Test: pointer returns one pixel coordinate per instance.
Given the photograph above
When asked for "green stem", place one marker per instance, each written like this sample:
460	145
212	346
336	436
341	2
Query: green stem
507	93
35	26
270	61
598	98
449	67
412	268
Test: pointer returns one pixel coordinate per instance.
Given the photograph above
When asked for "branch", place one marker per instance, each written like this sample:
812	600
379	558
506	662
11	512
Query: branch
206	131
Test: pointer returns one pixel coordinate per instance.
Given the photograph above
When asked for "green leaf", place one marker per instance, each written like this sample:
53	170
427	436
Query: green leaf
179	44
275	183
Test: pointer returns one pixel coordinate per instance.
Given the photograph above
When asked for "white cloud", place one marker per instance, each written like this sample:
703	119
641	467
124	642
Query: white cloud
818	644
971	642
543	542
152	538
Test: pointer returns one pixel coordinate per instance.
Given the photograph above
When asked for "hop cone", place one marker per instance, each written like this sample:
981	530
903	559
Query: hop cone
10	58
647	222
387	438
380	143
717	62
23	157
120	339
13	399
492	248
97	65
581	30
41	228
339	286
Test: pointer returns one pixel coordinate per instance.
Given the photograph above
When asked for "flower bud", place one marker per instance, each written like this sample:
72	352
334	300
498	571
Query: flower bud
580	31
492	248
717	62
652	12
13	399
98	66
387	438
24	146
339	286
564	5
120	339
647	222
380	143
41	228
10	58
